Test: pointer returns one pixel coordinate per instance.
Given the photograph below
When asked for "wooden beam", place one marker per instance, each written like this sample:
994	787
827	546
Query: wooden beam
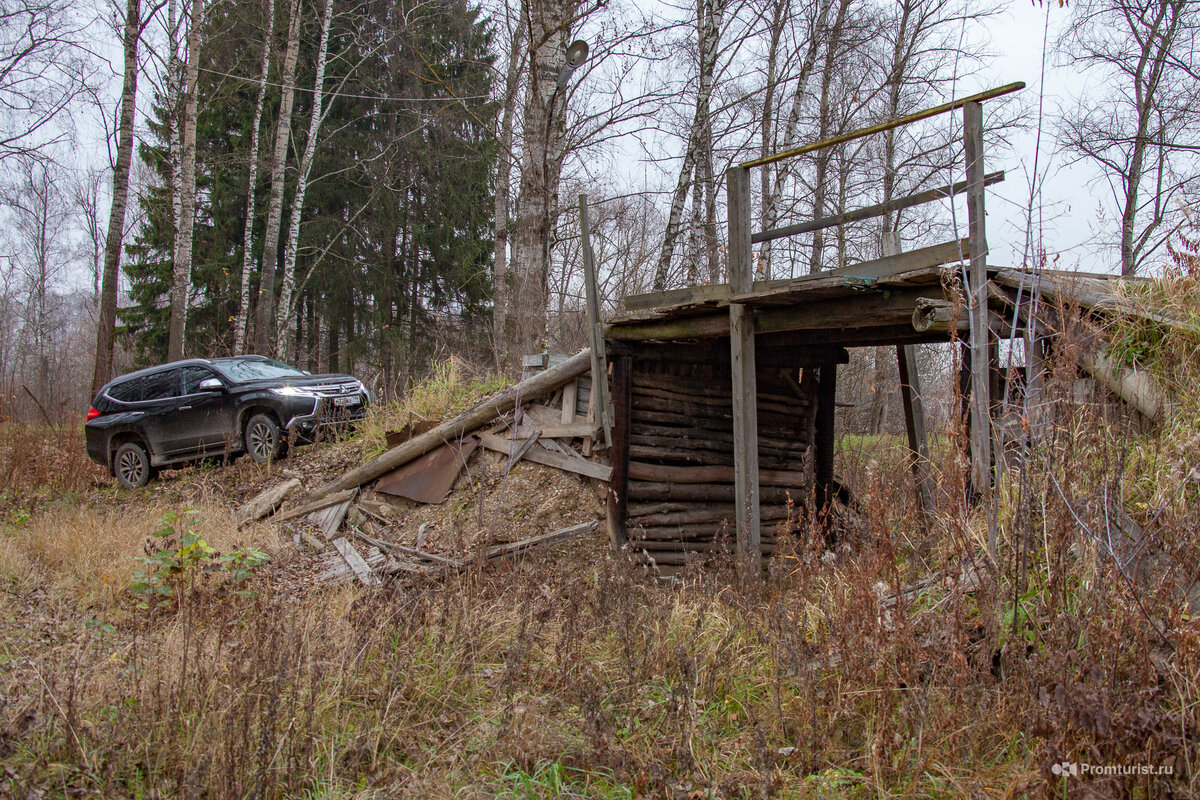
826	432
555	430
266	502
718	295
308	508
662	473
981	428
570	396
356	562
580	466
878	210
859	311
536	386
744	388
618	454
850	136
914	425
600	400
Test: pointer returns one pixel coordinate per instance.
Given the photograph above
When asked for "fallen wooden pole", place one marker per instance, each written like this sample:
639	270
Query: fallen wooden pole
530	389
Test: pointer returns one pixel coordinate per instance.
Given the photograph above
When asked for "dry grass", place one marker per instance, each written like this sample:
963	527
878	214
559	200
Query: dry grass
573	673
89	551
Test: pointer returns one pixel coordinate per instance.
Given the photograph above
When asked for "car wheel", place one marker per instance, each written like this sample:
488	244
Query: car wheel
131	465
264	439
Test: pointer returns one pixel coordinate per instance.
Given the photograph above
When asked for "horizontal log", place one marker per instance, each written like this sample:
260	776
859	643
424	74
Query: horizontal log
767	477
643	491
767	414
724	546
650	509
536	386
668	400
708	390
851	311
701	514
700	457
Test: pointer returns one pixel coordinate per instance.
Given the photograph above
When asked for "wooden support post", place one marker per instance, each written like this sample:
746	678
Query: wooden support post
981	429
618	452
600	399
570	396
825	435
914	424
745	390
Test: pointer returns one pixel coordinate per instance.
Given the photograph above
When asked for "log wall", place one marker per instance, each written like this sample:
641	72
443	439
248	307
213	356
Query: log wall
679	485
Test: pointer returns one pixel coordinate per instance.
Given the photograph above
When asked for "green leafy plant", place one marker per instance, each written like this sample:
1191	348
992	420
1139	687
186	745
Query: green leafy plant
178	556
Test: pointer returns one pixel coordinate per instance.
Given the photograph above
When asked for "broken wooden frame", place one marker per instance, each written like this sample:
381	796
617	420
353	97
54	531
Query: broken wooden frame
752	310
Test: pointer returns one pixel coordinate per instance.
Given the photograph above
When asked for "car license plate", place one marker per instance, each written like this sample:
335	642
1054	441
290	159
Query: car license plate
348	400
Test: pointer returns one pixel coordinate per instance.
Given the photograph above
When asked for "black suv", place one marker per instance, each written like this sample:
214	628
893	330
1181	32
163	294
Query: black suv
179	412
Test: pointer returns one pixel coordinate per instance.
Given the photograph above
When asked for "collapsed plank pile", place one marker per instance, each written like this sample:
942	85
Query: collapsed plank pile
537	420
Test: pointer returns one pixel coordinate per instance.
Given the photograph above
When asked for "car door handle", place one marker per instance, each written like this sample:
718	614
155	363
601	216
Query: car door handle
184	408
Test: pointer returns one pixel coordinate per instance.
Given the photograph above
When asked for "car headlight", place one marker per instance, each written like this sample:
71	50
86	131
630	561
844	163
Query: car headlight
294	391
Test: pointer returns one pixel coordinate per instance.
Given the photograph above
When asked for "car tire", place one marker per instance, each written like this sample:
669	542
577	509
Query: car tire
263	438
131	465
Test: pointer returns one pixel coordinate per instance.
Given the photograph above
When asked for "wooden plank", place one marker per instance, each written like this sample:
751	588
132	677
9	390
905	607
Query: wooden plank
265	502
907	261
316	505
570	397
862	310
600	399
529	442
886	267
914	425
744	386
575	464
850	136
555	431
513	549
878	210
356	562
538	385
331	518
981	436
825	434
618	454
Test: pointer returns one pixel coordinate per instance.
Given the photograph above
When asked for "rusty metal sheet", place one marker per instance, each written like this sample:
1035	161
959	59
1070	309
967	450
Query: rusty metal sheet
428	479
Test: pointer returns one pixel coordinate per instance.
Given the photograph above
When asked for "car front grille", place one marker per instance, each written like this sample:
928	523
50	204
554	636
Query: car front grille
336	389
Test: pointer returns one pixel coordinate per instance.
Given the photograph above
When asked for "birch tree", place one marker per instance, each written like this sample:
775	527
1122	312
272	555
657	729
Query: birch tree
548	32
697	156
283	341
120	196
264	319
187	191
503	200
243	315
1145	133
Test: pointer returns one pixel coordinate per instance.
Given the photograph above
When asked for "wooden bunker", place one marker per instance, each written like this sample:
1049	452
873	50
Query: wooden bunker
723	396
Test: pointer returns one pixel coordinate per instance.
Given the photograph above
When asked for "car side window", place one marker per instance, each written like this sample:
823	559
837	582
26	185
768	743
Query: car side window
193	376
129	391
161	385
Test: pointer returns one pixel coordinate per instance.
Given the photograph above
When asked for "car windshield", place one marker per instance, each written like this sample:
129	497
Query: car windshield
253	369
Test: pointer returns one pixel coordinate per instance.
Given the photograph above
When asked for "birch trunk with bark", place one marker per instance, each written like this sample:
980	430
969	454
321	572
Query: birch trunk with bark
283	338
243	315
697	157
264	315
187	191
502	297
541	166
771	199
106	323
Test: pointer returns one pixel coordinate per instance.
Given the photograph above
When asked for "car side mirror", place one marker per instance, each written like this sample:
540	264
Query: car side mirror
211	385
306	372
